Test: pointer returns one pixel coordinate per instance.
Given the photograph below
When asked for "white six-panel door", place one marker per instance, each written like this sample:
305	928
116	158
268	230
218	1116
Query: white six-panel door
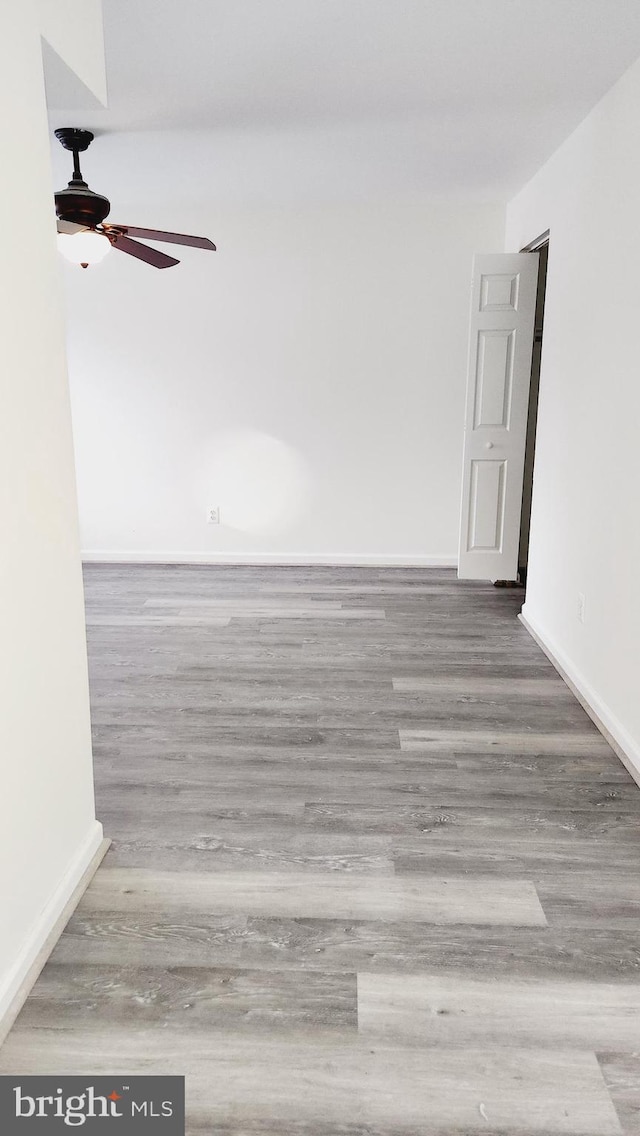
503	304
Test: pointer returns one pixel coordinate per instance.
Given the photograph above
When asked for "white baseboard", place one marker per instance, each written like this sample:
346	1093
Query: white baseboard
338	559
49	926
610	727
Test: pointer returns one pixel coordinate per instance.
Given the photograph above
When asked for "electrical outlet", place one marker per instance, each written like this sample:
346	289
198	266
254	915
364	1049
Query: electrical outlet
213	515
581	606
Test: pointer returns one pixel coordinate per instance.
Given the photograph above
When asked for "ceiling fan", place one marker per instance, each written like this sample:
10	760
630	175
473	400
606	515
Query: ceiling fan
85	238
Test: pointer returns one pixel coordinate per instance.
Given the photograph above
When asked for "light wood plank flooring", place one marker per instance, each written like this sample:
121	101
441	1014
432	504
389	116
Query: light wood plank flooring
374	872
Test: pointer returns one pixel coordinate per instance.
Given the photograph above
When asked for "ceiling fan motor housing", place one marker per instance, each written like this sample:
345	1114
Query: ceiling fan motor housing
81	205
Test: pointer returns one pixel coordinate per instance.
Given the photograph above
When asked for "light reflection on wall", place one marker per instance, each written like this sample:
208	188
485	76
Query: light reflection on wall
260	483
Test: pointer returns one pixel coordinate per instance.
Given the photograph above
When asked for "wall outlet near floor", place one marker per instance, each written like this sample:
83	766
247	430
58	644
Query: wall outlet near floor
213	515
581	607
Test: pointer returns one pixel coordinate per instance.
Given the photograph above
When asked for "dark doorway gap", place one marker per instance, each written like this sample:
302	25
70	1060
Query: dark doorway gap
532	419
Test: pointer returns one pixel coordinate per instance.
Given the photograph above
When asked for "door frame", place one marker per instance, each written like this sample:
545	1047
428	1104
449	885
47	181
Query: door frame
536	245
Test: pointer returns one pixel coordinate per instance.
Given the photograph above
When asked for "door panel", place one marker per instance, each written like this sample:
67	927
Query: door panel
486	514
494	378
500	346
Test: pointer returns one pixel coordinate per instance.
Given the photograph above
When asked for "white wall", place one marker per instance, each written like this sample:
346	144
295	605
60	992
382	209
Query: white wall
47	828
585	534
308	377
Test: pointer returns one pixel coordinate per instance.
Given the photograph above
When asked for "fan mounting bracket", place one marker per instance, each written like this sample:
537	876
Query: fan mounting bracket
74	139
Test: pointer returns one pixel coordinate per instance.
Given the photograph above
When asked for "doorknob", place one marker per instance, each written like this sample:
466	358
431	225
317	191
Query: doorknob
488	445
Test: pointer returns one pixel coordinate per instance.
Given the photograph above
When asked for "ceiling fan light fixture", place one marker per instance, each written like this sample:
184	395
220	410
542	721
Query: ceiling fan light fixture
84	248
80	211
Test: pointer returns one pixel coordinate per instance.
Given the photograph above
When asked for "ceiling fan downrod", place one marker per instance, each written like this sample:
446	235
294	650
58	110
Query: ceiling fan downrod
77	203
77	141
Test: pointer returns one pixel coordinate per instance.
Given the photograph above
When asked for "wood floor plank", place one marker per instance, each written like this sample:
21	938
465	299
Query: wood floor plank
476	900
447	1010
540	858
247	603
156	621
544	741
207	609
415	818
197	938
257	848
466	687
216	784
202	999
407	591
601	897
233	1079
621	1072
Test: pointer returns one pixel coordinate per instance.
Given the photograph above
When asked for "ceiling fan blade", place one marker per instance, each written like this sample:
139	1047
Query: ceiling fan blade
160	235
70	228
143	252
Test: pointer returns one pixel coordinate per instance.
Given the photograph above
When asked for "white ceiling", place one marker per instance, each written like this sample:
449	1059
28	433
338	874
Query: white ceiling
441	96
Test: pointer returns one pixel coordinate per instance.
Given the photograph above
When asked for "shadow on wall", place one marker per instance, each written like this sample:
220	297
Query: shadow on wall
260	482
